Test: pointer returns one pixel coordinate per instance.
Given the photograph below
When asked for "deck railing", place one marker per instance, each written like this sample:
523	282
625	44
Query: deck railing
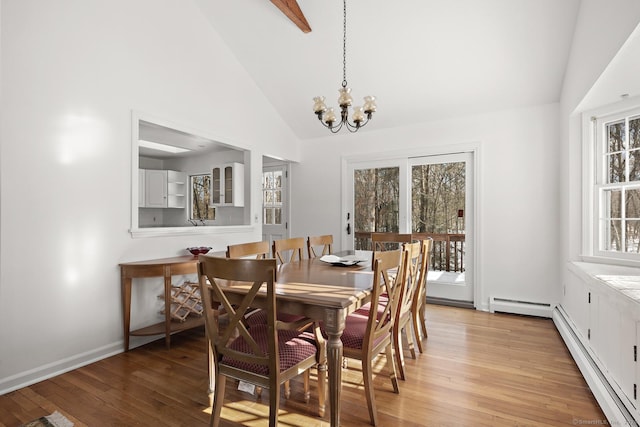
447	252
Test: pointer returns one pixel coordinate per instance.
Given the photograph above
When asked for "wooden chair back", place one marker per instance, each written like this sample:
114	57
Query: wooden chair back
214	273
314	242
387	266
411	276
404	317
389	241
380	319
420	295
288	250
259	250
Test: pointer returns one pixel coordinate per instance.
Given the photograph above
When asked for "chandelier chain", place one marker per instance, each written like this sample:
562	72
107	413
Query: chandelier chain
344	46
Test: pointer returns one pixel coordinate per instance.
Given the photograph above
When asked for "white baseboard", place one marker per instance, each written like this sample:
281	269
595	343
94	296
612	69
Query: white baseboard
610	403
504	305
50	370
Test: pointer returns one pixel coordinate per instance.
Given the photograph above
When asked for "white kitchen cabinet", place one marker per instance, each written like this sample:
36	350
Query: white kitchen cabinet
164	189
603	309
176	189
227	185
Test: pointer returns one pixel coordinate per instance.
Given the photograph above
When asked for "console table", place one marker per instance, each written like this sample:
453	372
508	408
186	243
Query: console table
166	268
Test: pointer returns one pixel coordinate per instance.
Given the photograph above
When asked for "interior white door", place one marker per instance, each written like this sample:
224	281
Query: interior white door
275	202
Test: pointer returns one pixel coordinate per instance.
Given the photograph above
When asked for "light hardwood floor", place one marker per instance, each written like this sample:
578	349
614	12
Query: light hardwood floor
478	369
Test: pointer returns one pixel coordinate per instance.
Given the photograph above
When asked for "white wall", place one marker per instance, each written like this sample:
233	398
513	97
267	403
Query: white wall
518	208
72	71
601	30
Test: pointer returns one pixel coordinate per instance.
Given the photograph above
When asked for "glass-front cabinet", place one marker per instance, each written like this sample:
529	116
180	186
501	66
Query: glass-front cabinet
227	183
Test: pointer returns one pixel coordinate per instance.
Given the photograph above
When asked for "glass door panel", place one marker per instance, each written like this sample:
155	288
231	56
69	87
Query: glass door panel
376	203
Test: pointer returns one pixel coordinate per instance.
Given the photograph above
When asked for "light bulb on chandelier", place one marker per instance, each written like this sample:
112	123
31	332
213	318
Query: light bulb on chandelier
361	114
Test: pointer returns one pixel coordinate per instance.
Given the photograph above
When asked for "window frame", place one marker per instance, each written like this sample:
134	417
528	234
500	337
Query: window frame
208	205
594	131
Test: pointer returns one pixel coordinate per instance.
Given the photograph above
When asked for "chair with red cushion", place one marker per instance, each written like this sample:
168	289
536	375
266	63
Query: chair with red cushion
262	250
265	355
368	332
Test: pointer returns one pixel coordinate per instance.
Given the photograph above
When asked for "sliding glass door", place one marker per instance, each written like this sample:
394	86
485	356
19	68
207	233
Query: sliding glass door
430	197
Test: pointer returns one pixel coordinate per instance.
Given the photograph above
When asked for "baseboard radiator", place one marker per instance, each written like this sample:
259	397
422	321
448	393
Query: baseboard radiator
605	393
506	305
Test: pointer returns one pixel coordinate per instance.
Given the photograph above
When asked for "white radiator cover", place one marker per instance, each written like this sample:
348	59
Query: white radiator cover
529	308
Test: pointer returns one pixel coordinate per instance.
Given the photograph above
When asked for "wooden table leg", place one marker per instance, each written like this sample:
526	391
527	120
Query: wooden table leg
126	308
334	325
167	307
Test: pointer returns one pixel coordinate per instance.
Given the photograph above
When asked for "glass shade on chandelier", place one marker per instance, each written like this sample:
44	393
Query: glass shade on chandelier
360	116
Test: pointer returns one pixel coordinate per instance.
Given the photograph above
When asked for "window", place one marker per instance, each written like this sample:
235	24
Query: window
272	187
616	192
200	207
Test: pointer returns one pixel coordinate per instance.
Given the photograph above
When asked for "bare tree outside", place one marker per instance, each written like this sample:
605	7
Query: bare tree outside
622	159
438	198
201	198
377	193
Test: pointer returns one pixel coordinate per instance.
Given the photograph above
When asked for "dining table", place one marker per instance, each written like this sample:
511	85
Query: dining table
321	291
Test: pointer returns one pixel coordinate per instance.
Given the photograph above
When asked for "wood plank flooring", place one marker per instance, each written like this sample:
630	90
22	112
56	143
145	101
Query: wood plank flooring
478	369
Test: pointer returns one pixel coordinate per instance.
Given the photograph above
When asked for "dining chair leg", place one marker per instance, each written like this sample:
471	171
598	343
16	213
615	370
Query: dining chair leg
287	390
218	400
411	340
322	387
274	405
367	375
392	369
423	322
416	330
399	356
305	378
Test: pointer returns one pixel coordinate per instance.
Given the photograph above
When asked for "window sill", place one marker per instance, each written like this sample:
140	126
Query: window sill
189	230
619	278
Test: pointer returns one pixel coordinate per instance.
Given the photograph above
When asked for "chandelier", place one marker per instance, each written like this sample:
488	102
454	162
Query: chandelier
361	114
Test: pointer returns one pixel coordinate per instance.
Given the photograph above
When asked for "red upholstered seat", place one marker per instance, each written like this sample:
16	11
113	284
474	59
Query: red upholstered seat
293	347
355	329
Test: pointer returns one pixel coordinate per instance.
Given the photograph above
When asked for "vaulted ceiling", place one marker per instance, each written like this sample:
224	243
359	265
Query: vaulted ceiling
424	60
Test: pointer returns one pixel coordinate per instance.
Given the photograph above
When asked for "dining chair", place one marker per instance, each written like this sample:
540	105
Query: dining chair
259	250
386	241
418	306
314	242
367	332
404	315
265	355
282	247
